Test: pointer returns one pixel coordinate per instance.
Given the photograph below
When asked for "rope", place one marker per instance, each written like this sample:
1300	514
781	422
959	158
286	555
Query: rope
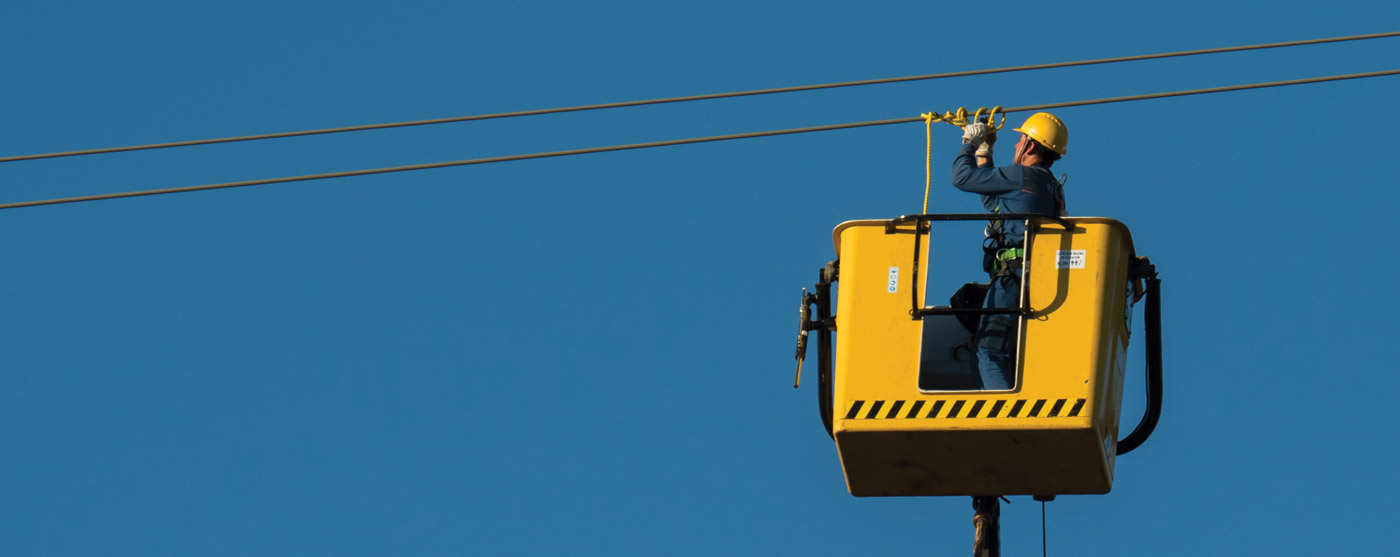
958	119
928	158
691	98
672	142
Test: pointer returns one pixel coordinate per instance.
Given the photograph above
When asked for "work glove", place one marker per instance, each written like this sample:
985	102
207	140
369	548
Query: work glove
974	133
985	149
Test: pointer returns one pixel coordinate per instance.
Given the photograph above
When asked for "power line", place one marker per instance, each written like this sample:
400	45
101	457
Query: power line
712	96
668	143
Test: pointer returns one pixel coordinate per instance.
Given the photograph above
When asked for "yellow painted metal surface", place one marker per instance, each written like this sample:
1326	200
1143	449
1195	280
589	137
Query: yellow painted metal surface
1054	433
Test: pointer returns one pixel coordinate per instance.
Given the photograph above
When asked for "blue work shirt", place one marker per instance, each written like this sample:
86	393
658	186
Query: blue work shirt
1012	188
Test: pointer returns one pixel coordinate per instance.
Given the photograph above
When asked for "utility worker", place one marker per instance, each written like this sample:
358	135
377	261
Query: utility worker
1024	186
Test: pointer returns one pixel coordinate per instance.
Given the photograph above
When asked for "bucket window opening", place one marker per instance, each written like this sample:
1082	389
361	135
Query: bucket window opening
959	276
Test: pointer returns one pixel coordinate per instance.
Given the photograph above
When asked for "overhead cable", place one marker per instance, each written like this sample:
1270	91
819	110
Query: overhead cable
712	96
668	143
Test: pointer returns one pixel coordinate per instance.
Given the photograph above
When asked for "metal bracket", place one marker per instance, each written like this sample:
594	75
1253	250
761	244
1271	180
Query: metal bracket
921	222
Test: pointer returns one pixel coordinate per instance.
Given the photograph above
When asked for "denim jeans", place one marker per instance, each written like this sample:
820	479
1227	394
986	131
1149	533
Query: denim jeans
997	334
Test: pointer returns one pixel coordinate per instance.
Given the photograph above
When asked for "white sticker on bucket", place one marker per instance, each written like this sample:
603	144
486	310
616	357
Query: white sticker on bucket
893	286
1069	259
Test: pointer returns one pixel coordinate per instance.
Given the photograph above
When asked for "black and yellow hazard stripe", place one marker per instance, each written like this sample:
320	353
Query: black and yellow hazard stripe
922	409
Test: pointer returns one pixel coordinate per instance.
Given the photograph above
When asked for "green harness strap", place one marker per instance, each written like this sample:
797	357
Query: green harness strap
1011	253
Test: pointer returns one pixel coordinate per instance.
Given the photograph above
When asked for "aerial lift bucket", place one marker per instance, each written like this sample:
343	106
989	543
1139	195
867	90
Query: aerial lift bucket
901	401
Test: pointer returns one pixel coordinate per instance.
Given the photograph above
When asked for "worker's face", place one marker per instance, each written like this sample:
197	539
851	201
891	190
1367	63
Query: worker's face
1021	149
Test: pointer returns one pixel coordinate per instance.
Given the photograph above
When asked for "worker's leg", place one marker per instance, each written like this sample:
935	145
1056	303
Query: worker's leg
996	336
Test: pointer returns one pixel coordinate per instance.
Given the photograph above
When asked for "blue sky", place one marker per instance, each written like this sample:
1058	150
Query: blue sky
592	355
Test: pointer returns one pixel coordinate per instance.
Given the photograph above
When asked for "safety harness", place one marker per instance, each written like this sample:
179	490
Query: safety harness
998	259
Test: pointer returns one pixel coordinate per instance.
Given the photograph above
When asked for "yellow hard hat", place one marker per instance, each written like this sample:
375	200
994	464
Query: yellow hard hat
1046	130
